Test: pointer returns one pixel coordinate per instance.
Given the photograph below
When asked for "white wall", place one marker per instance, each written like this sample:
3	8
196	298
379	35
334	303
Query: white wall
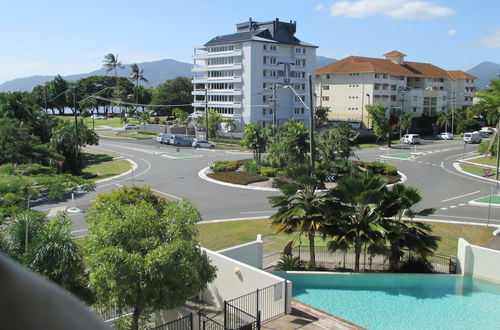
234	279
248	253
477	261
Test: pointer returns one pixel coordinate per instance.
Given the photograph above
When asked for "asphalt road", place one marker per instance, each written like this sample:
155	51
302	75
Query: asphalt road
173	174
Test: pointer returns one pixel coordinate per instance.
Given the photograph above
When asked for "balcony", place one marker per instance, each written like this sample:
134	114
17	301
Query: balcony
217	92
205	68
213	104
235	52
204	80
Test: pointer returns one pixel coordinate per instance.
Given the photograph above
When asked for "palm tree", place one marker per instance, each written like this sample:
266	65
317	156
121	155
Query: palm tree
214	121
255	138
230	125
360	225
401	234
299	207
444	119
404	122
111	63
136	76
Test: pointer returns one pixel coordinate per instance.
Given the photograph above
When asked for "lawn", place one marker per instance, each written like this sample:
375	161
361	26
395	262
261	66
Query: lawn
237	177
487	160
216	236
477	170
101	166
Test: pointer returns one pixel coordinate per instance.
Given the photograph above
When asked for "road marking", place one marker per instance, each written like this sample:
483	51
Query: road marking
444	208
434	164
450	199
119	185
251	212
452	207
462	204
166	194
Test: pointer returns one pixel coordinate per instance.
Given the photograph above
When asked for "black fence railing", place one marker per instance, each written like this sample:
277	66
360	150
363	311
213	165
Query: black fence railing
208	323
184	323
345	261
235	318
110	313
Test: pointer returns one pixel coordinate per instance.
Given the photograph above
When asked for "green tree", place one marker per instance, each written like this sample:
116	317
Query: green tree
181	117
381	125
468	125
136	76
215	120
336	143
145	256
444	119
230	125
288	144
397	208
57	95
404	122
300	205
111	63
45	247
359	226
255	138
69	145
321	114
173	92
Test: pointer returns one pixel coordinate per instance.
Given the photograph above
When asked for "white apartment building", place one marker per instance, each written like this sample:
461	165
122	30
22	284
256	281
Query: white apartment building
348	85
242	75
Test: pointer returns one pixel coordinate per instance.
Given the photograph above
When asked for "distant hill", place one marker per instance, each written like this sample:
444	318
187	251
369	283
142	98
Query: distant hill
485	72
321	61
157	72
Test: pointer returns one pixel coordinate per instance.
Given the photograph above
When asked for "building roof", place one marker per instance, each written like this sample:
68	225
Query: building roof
394	53
369	64
457	74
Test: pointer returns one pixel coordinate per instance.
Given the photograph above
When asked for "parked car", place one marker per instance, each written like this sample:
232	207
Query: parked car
163	138
203	144
487	131
98	117
181	141
472	137
130	126
445	136
410	139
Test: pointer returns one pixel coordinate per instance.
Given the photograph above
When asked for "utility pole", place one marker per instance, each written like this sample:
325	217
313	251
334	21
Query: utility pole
206	110
274	105
311	121
76	129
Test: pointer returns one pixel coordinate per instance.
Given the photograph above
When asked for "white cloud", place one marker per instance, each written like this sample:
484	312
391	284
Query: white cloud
319	7
397	9
491	41
451	32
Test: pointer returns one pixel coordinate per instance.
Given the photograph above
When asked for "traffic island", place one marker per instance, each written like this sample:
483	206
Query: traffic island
493	201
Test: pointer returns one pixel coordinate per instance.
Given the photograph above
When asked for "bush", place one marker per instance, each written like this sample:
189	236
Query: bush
378	168
416	265
289	262
147	132
227	166
251	166
468	125
229	141
482	148
237	177
270	172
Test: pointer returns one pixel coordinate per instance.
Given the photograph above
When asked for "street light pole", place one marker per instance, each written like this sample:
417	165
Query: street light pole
369	103
206	111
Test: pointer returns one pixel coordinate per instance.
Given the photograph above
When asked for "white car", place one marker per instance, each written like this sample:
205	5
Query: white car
130	126
473	137
203	144
446	136
411	139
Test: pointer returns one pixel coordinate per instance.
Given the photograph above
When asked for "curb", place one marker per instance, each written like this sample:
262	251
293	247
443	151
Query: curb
456	165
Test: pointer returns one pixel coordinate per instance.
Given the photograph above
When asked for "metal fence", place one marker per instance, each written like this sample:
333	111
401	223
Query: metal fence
208	323
344	261
184	323
110	313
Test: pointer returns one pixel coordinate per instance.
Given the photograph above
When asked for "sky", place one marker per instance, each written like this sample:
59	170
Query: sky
67	37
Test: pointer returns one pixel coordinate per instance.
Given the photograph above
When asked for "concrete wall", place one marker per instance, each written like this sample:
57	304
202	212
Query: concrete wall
235	278
248	253
477	261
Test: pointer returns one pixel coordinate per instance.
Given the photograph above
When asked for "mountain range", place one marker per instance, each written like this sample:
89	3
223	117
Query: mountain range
157	72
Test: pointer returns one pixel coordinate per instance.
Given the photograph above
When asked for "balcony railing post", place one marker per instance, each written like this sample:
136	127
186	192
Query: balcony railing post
225	314
257	294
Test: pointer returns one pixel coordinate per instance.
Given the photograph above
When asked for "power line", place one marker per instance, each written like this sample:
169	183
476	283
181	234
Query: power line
139	104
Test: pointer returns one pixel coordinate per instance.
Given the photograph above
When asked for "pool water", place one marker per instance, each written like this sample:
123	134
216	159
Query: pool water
402	301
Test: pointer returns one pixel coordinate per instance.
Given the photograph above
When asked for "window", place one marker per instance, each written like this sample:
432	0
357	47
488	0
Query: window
264	111
264	47
326	87
325	98
327	76
377	75
272	48
384	76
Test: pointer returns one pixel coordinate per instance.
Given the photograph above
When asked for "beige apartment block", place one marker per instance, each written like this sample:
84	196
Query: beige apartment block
348	85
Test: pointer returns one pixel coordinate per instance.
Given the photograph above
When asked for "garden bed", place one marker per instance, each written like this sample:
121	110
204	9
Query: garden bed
237	177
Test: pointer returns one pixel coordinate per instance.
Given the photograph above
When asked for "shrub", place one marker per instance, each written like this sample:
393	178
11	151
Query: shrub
147	132
482	148
416	265
378	168
156	120
251	166
227	166
229	141
237	177
270	172
289	262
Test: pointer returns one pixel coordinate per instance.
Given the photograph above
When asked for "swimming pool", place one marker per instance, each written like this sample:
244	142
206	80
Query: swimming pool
402	301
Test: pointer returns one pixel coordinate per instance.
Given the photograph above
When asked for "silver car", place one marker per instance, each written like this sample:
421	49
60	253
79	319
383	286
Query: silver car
203	144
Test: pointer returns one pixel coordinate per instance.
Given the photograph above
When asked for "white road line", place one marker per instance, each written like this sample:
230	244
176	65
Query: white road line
444	208
251	212
434	164
452	207
450	199
166	194
462	204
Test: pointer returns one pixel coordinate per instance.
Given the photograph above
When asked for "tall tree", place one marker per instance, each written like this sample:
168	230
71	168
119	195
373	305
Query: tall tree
174	92
300	205
321	114
182	118
444	119
255	138
359	226
288	144
214	121
144	254
111	63
136	76
381	124
230	125
404	122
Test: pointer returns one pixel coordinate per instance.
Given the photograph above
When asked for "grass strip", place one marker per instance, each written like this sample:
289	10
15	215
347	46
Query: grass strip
101	166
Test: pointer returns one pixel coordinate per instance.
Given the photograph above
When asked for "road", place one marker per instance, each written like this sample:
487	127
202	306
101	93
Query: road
173	174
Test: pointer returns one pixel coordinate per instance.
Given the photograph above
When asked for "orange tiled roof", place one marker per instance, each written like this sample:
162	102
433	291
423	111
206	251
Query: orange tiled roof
369	64
394	53
457	74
